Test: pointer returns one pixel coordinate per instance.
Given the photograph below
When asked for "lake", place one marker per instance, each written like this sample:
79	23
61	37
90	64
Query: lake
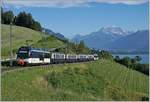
145	57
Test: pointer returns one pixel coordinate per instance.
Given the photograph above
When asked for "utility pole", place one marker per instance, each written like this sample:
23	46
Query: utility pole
10	40
66	50
76	46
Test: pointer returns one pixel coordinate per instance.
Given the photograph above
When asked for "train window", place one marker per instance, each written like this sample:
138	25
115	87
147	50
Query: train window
71	56
24	49
41	57
22	55
46	55
57	56
36	54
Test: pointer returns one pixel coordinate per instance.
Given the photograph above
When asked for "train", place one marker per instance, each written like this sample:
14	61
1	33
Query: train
34	56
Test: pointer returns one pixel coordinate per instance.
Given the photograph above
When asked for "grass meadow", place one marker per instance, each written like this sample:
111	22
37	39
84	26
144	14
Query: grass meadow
20	36
97	80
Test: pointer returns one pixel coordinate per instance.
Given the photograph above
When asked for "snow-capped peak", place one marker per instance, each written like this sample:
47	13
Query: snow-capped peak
112	30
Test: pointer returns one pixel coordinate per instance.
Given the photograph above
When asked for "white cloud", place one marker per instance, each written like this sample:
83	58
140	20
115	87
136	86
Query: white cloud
129	2
67	3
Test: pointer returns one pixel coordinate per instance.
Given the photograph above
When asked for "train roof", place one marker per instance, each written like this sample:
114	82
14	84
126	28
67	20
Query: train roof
34	49
37	50
57	53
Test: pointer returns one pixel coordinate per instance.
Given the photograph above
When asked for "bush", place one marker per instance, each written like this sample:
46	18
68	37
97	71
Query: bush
80	81
105	55
144	68
126	61
144	98
7	63
133	63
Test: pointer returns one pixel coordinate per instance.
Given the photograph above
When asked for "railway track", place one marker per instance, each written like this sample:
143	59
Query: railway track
20	68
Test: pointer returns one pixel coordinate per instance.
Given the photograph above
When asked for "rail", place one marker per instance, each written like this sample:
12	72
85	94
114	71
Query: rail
20	68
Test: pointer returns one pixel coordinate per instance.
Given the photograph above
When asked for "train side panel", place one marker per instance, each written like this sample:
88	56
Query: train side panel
57	58
70	58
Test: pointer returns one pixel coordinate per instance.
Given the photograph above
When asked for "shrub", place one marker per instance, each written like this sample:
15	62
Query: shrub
78	80
133	63
144	98
105	55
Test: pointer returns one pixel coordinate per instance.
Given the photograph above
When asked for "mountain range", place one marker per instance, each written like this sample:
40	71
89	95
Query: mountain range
115	38
135	41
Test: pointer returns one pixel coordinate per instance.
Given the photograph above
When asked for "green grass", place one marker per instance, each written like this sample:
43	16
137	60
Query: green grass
99	80
48	42
19	37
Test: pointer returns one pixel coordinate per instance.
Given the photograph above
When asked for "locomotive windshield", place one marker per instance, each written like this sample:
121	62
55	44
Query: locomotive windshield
22	55
23	52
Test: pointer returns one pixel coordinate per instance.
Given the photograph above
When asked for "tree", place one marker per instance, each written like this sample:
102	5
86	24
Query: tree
126	61
26	20
29	20
133	61
117	58
105	55
36	26
94	51
22	19
144	68
2	20
138	58
7	17
81	47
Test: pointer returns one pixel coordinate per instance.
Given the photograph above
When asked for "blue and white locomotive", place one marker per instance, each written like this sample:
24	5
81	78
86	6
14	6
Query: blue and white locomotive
28	55
34	56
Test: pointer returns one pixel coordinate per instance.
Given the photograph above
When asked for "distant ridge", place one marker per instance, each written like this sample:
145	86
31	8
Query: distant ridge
57	35
137	41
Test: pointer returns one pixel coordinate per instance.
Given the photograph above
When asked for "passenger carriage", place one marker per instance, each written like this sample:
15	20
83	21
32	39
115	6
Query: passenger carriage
90	57
82	57
96	57
57	58
71	58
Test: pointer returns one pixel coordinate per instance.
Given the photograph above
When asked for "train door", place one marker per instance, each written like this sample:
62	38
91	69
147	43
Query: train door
41	57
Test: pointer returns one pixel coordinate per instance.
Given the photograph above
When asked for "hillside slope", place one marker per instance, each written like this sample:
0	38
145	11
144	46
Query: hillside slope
19	37
99	80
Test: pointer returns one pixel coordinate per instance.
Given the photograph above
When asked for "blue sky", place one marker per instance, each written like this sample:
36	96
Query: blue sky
84	19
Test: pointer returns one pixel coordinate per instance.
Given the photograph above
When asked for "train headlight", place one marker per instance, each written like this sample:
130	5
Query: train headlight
21	62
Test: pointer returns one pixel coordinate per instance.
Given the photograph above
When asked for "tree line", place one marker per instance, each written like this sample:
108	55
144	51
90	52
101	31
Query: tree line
132	63
78	48
22	19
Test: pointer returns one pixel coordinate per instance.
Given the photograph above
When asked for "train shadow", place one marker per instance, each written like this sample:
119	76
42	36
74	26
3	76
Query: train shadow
7	63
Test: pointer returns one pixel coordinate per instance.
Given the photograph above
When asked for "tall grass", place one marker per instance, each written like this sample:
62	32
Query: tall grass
99	80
